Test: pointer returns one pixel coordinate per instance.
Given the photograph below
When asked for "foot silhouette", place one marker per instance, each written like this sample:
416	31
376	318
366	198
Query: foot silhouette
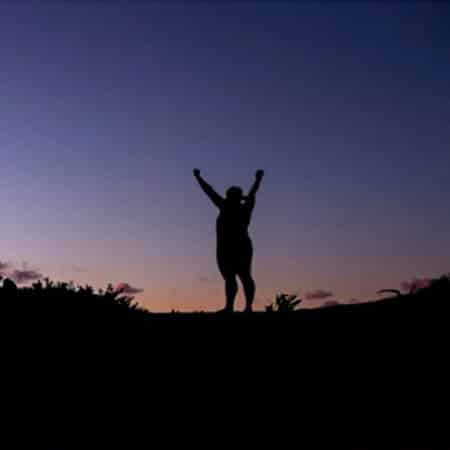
225	311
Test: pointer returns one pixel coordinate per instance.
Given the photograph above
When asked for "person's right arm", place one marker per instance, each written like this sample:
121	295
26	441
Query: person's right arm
208	190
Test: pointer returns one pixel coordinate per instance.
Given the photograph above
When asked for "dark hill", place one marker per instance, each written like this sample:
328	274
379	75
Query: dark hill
64	314
375	368
71	310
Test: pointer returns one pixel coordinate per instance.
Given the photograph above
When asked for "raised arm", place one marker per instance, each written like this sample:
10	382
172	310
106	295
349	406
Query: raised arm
208	190
254	189
251	197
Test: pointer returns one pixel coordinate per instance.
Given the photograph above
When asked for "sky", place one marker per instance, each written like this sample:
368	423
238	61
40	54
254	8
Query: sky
105	109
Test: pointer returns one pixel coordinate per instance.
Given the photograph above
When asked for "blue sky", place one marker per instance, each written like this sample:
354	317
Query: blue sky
105	110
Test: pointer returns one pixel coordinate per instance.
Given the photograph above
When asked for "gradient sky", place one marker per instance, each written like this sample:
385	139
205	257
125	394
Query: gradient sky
106	108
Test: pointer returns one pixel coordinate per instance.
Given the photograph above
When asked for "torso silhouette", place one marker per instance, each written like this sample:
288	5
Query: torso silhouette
234	246
233	221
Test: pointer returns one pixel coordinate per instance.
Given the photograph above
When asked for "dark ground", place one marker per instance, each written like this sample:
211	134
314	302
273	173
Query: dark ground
361	376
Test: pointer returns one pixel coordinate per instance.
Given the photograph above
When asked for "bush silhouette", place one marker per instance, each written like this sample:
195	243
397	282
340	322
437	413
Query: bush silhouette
284	303
437	288
65	302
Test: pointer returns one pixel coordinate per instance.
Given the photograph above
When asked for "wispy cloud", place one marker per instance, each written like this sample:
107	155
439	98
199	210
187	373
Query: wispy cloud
318	294
23	276
127	289
20	276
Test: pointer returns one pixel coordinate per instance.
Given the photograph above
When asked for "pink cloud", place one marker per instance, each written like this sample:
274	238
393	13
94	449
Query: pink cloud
415	284
127	289
4	266
329	303
318	294
25	275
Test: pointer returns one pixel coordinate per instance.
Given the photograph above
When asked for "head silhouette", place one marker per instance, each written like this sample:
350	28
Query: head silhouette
234	195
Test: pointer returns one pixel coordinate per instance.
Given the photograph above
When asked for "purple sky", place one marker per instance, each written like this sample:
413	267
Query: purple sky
106	108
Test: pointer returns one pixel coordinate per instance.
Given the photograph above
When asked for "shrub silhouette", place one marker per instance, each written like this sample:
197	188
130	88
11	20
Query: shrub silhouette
436	288
9	285
284	303
65	302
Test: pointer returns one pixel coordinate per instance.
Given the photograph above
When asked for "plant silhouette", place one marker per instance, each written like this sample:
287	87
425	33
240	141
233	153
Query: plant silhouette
284	303
49	301
234	246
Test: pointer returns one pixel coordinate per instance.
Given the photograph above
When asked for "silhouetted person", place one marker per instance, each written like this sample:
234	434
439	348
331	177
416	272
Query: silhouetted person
234	246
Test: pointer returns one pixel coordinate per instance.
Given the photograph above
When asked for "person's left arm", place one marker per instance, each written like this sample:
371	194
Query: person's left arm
251	197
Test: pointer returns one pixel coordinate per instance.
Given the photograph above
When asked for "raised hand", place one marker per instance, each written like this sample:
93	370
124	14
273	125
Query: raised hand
254	189
208	190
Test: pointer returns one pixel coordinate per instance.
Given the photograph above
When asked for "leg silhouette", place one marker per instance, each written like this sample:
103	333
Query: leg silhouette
231	288
249	290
